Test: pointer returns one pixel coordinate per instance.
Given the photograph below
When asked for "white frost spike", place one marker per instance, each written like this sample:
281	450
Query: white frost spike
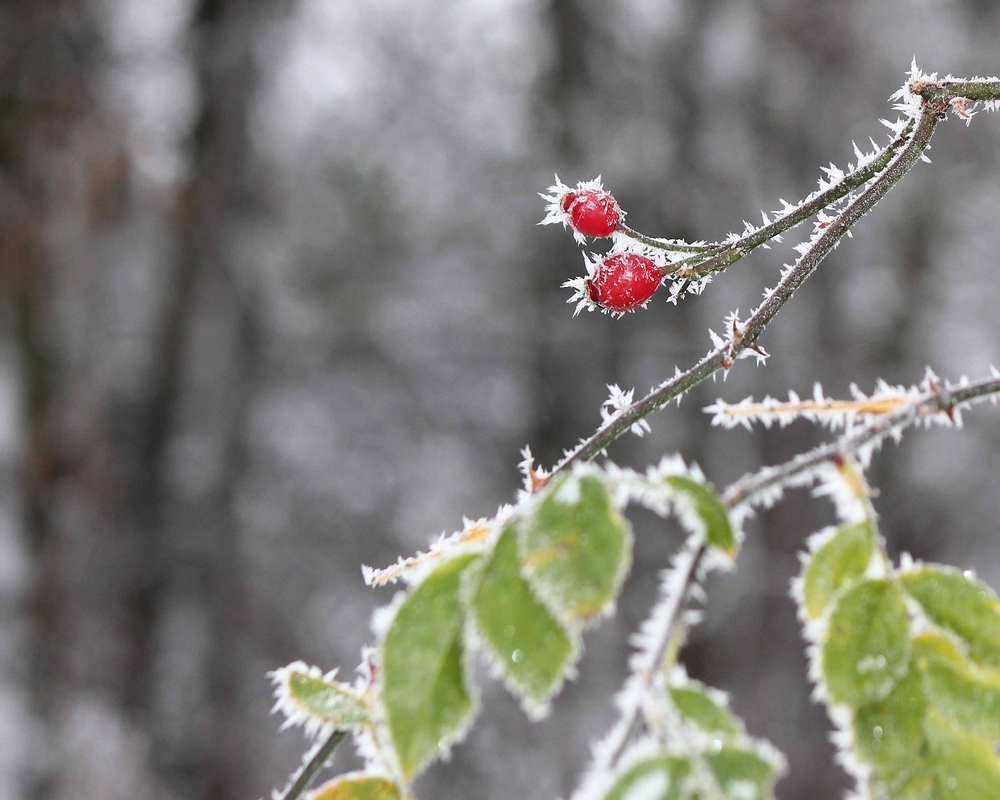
717	341
581	294
675	585
834	414
617	404
680	289
414	568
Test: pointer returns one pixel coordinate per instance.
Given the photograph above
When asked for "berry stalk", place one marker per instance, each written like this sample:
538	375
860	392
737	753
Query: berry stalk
723	357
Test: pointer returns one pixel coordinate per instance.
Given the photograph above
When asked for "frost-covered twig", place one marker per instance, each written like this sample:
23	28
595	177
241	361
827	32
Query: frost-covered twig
867	168
659	633
945	401
314	762
473	532
835	414
948	90
793	277
709	258
670	245
946	93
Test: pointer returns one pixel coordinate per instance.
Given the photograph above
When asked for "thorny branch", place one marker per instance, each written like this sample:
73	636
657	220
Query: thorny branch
937	97
943	400
716	258
880	175
687	564
752	486
723	357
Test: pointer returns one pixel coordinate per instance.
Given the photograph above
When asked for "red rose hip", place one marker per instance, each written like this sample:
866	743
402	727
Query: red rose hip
624	281
592	212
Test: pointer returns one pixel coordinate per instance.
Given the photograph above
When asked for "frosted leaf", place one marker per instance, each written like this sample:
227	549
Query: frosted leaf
317	702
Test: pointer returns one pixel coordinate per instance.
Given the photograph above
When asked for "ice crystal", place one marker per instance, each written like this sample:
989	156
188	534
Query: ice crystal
581	288
853	414
413	568
617	404
683	288
830	413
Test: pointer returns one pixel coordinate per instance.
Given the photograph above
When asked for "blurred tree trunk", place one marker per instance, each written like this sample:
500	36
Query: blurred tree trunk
201	613
88	398
132	338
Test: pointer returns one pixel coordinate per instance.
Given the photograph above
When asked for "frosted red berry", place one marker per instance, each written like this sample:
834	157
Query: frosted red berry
624	281
592	212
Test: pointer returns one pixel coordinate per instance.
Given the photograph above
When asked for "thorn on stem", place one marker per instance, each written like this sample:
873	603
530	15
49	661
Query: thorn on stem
959	104
757	348
537	482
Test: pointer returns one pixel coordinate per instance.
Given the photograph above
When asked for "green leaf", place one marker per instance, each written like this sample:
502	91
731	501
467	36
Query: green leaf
734	766
531	647
697	707
918	785
663	772
963	605
963	766
868	643
708	506
325	700
576	549
888	733
840	561
965	695
425	688
932	737
357	786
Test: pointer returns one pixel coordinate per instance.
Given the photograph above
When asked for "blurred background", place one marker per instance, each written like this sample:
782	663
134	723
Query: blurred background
275	304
